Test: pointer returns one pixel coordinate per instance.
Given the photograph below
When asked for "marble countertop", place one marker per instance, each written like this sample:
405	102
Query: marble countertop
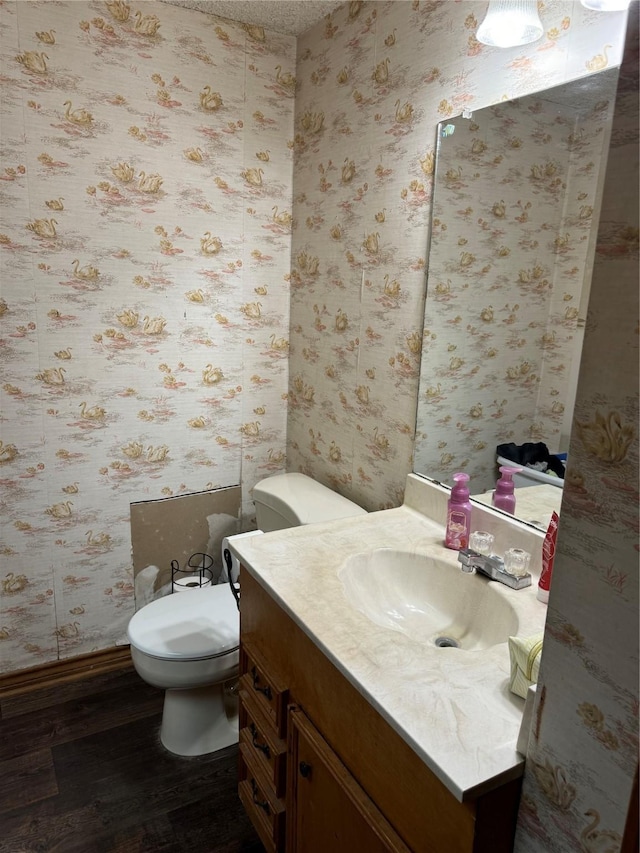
452	707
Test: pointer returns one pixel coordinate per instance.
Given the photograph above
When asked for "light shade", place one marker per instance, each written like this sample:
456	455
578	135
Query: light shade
509	23
606	5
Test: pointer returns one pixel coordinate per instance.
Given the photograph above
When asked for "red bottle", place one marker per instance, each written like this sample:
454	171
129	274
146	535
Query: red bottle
548	554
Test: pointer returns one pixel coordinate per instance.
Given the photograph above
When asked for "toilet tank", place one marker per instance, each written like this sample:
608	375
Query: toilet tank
290	500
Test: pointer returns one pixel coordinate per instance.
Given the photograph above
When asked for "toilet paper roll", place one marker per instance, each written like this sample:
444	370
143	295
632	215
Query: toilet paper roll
187	583
235	563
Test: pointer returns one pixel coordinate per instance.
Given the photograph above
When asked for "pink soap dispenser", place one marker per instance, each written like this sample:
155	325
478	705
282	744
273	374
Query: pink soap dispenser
458	514
504	497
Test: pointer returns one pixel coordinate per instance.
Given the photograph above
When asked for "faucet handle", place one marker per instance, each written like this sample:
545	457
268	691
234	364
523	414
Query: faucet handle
516	562
481	542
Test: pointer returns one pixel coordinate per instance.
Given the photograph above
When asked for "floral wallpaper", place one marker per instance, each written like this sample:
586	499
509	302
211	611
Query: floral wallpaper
154	239
583	747
517	189
374	80
146	184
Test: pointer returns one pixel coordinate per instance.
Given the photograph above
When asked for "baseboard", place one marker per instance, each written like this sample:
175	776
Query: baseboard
65	671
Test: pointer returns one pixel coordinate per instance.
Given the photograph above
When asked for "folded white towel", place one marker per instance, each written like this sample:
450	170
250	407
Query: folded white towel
524	654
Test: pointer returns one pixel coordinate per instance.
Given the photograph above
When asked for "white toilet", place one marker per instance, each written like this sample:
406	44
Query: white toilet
187	643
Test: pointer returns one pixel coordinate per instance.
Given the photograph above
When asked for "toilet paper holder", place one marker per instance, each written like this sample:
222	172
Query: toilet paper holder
197	572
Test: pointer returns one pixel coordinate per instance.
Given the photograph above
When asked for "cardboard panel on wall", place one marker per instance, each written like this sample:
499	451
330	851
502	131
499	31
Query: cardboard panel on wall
174	529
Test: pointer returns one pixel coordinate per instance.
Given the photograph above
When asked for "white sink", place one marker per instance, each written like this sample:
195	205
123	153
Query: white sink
428	599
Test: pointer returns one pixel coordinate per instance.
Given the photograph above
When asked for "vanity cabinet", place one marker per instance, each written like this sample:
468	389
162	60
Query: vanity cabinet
321	769
327	809
302	772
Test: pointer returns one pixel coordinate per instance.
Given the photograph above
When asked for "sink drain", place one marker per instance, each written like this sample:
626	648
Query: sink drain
447	643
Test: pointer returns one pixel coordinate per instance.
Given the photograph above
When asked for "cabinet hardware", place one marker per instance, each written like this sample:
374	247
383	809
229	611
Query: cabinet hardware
263	747
305	769
256	678
263	804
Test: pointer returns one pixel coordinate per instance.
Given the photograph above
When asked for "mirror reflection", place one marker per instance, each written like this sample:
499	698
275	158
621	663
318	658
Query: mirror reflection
514	221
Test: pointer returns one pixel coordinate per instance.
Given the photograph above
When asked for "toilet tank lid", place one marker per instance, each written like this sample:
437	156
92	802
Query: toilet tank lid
309	500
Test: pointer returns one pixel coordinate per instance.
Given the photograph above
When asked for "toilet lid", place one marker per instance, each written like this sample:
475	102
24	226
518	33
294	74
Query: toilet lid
189	625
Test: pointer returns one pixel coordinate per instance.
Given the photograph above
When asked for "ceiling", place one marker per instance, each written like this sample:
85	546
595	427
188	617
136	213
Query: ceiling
292	17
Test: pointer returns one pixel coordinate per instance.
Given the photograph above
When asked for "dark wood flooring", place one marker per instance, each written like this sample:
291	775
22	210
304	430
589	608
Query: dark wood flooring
82	770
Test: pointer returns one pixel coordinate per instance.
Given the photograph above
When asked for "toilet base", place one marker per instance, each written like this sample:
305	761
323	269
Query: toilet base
199	720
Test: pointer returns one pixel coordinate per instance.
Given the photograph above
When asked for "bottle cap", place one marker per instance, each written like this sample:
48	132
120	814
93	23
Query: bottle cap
460	490
505	484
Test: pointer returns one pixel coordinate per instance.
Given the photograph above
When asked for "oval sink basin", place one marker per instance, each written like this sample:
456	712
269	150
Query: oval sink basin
429	600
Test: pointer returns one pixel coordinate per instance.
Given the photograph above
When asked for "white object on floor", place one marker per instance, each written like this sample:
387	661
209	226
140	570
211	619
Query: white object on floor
188	645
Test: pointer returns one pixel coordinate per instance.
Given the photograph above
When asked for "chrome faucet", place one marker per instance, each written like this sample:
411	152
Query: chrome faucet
493	567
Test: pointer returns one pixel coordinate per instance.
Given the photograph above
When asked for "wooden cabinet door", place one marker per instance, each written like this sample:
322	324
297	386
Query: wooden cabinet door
326	808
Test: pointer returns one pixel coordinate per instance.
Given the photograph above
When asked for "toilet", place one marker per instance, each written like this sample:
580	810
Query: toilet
187	643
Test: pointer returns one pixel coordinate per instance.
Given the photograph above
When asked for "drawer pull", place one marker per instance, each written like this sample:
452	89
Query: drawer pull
256	678
263	804
263	747
305	769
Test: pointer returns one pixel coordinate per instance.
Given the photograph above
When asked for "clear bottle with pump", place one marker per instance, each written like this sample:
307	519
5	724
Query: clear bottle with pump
458	525
504	497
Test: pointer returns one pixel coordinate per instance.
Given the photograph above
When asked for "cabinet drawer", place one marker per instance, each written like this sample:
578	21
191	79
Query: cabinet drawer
270	695
266	811
258	735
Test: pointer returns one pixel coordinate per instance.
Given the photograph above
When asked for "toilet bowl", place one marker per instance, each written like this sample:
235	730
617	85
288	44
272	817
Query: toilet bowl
187	643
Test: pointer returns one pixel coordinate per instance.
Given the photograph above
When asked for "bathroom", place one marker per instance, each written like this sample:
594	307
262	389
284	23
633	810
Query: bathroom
326	315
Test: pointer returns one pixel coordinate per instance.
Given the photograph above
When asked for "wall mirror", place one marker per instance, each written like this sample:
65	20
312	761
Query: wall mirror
515	214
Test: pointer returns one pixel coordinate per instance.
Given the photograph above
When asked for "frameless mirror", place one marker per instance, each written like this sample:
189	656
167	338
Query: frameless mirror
515	215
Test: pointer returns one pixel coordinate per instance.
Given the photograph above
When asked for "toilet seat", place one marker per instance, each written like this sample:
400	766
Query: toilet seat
190	625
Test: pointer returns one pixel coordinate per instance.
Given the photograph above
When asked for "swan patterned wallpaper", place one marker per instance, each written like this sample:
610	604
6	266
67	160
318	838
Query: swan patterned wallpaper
373	81
152	245
511	254
583	746
146	183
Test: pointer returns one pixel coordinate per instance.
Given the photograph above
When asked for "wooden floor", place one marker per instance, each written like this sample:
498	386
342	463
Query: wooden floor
82	770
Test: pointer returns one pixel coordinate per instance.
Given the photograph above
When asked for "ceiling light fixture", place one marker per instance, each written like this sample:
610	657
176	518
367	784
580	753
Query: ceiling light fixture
510	23
606	5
